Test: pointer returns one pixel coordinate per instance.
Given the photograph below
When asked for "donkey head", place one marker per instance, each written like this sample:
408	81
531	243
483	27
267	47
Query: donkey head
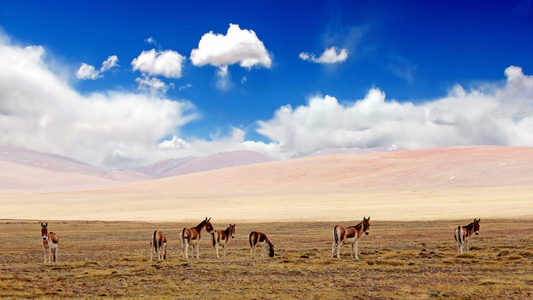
44	231
232	230
208	226
476	225
270	249
366	225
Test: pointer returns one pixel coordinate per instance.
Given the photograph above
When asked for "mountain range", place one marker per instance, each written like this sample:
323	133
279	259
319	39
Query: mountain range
28	170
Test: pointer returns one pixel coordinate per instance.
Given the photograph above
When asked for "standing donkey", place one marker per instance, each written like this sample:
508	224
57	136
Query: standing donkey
158	243
349	235
221	238
49	243
191	236
260	239
462	234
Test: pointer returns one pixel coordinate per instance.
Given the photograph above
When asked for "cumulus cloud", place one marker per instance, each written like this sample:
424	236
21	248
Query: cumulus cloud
166	63
89	72
329	56
174	143
40	111
494	115
238	46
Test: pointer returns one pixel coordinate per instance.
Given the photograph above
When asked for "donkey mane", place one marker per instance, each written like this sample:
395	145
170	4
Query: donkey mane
357	226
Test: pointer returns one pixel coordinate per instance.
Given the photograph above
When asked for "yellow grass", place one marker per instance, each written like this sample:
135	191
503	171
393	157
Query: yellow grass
405	260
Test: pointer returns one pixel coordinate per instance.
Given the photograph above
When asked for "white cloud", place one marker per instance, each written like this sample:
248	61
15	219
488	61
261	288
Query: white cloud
237	46
223	82
502	116
166	63
183	87
174	143
151	40
329	56
40	111
89	72
153	85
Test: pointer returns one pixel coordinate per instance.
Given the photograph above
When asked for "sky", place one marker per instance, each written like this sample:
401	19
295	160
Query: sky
118	85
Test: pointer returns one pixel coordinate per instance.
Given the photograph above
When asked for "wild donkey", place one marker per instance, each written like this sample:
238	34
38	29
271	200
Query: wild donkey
158	243
191	236
349	235
49	243
462	234
221	238
260	239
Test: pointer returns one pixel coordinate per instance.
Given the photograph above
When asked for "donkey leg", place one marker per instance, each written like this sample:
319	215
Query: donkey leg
252	252
356	250
186	251
339	251
333	250
216	251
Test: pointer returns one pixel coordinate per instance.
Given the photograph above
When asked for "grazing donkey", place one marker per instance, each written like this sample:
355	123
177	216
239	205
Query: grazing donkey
191	236
349	235
462	234
260	239
158	243
49	243
221	238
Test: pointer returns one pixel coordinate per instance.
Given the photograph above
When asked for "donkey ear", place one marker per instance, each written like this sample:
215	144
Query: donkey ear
368	219
209	219
46	225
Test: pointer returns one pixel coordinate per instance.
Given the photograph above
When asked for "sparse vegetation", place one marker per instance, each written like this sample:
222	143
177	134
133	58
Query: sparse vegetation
398	260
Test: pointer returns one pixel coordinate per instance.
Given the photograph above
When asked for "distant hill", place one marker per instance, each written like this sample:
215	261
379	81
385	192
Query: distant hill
193	164
28	170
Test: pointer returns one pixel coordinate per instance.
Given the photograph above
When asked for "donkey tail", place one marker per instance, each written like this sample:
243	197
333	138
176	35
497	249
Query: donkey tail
456	234
250	239
155	242
335	235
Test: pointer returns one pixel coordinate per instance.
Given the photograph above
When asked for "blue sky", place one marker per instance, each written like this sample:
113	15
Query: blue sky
116	85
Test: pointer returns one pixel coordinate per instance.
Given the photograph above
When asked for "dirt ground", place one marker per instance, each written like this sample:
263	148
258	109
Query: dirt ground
399	260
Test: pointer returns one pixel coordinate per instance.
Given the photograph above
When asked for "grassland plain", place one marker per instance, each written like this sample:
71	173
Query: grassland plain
398	260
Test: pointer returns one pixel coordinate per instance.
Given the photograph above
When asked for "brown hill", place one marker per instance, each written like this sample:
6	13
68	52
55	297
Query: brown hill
441	183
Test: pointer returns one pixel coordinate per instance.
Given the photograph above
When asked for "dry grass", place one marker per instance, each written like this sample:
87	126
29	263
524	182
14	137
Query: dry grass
407	260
